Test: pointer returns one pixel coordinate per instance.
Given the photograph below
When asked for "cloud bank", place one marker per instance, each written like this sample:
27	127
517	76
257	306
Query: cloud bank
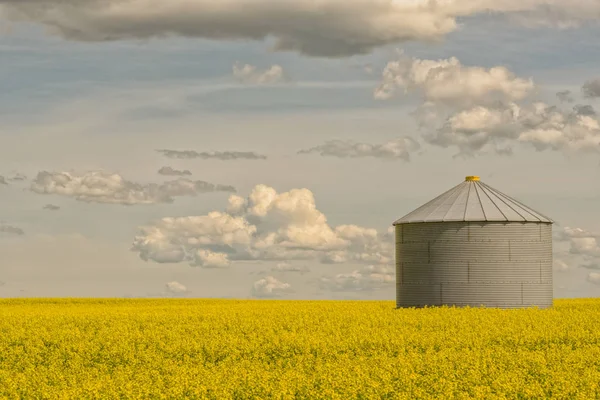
398	149
169	171
327	28
218	155
110	188
266	226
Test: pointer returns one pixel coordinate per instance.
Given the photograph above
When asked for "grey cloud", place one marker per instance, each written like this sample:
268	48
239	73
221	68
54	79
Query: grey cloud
3	180
592	265
13	230
104	187
18	177
360	26
51	207
219	155
169	171
584	109
591	89
565	96
398	149
285	267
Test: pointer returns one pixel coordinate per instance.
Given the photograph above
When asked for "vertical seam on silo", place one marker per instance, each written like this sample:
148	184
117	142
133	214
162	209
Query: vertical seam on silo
508	205
468	271
541	279
480	203
533	213
428	252
441	294
509	255
450	193
467	204
492	201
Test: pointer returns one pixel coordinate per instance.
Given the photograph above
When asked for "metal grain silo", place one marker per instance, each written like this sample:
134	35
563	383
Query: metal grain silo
474	246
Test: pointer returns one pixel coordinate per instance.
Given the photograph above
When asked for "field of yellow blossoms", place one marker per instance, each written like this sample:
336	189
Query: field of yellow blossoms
230	349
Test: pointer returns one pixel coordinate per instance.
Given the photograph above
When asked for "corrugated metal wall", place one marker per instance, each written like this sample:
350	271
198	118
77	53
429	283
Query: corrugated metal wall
492	264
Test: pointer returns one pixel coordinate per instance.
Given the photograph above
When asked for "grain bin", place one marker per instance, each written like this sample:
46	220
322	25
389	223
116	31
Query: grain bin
474	246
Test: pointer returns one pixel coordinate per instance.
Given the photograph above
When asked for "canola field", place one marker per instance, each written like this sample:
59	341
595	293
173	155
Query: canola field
251	349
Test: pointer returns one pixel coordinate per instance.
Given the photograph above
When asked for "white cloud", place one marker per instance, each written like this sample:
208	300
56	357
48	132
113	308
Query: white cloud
594	277
105	187
560	265
448	82
398	149
250	74
371	277
585	246
265	226
287	267
210	259
582	243
324	28
566	233
539	125
477	129
475	109
175	288
269	286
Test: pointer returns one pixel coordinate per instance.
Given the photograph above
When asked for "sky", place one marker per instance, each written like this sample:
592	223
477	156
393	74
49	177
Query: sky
263	148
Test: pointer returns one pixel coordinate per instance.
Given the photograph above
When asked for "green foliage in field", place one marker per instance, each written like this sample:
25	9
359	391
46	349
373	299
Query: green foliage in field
227	349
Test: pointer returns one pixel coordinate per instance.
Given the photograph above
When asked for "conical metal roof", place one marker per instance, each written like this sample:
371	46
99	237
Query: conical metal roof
473	200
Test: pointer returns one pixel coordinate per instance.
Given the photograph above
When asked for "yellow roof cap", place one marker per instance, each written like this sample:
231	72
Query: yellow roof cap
472	178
